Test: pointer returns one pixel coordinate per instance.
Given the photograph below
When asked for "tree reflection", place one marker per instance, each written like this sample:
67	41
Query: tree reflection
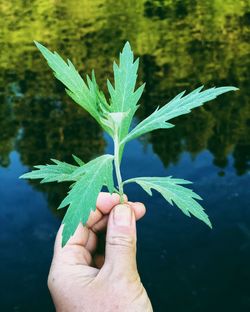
182	44
8	131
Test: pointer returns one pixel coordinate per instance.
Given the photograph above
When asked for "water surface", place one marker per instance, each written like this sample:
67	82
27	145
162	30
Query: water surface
181	44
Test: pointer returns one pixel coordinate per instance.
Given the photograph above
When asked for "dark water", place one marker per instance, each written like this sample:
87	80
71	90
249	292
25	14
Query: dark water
181	44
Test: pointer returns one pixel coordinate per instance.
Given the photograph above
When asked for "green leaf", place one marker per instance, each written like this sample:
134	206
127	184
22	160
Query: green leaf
87	95
173	192
114	121
59	172
178	106
124	97
78	160
83	195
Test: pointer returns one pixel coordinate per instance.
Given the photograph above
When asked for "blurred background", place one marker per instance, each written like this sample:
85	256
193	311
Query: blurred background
184	265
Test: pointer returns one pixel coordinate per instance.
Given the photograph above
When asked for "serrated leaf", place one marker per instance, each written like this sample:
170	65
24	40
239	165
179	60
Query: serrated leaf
173	192
83	194
78	160
178	106
123	96
87	95
59	172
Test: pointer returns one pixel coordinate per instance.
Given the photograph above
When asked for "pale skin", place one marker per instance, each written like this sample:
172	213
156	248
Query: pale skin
82	281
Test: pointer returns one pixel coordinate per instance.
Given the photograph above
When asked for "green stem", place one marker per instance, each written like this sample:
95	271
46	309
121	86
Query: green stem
117	165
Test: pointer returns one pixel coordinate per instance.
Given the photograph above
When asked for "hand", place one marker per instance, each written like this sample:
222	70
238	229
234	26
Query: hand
80	281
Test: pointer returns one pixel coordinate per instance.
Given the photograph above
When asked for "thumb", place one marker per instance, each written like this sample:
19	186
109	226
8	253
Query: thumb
120	255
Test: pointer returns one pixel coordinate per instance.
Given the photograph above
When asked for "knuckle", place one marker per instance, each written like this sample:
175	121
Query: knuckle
124	241
50	281
52	278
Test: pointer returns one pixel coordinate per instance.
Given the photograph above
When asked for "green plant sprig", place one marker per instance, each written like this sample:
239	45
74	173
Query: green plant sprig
115	117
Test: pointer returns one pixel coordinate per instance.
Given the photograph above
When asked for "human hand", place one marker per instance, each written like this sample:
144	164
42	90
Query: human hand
79	281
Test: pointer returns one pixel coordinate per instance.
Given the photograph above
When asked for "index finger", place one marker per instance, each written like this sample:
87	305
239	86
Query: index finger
106	201
104	204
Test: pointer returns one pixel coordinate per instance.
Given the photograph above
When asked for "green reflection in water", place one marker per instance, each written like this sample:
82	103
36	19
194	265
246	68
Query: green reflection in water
181	44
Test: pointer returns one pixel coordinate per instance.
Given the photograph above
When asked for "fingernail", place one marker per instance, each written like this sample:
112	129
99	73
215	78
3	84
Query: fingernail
122	215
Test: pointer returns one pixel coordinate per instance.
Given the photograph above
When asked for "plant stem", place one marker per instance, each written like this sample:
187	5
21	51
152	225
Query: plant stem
117	165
